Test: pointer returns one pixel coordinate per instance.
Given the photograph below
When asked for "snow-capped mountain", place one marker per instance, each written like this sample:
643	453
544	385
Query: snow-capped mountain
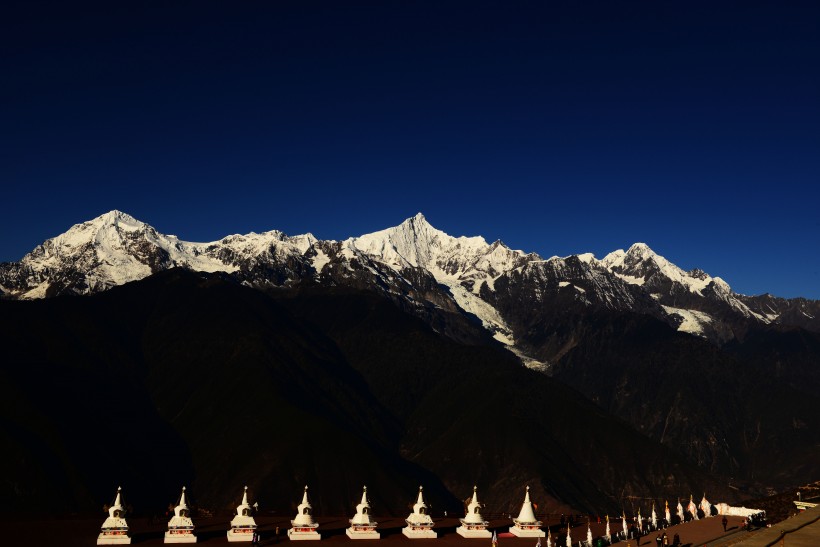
454	283
696	299
465	265
115	248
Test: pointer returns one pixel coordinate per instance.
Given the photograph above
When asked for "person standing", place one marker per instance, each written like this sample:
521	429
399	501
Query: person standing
724	522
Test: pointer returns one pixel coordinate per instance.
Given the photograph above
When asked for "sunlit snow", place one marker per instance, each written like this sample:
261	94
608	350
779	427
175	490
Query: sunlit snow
693	320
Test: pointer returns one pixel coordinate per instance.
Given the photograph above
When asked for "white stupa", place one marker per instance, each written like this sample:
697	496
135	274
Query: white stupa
692	508
526	525
243	525
419	522
362	525
473	524
181	527
303	526
667	514
705	506
115	529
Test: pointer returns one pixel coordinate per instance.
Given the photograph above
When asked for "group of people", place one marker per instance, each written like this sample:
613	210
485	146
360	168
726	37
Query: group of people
663	540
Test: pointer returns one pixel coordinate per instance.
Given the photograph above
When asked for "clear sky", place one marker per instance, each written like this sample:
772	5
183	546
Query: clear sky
557	127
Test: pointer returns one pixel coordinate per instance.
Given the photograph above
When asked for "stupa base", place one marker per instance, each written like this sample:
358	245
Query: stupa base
362	534
295	535
419	533
243	534
527	532
481	533
105	539
179	538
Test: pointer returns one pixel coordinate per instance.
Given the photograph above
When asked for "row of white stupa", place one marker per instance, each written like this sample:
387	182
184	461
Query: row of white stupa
362	526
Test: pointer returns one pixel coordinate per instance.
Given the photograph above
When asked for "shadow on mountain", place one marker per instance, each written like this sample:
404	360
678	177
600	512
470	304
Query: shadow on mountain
187	378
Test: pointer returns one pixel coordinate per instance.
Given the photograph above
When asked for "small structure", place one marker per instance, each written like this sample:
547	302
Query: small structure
726	509
303	526
114	530
362	525
526	525
473	524
181	527
803	504
705	506
419	522
667	515
243	525
692	508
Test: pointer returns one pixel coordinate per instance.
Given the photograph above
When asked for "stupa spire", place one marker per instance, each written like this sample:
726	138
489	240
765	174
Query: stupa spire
118	499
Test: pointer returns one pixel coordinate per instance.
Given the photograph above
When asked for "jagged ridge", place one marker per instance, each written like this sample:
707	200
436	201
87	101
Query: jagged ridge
423	269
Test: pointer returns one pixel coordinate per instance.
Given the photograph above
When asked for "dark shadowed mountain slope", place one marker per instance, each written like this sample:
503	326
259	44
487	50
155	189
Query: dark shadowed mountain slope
785	354
180	379
187	378
729	412
475	415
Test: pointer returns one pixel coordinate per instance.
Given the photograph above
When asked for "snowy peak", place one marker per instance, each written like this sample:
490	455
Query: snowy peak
640	265
467	261
106	229
115	217
115	248
693	296
415	243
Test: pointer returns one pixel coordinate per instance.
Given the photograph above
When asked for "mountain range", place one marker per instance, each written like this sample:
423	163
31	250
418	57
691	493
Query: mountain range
426	269
402	352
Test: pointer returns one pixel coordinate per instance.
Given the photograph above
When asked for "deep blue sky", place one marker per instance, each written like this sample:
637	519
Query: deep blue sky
558	127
